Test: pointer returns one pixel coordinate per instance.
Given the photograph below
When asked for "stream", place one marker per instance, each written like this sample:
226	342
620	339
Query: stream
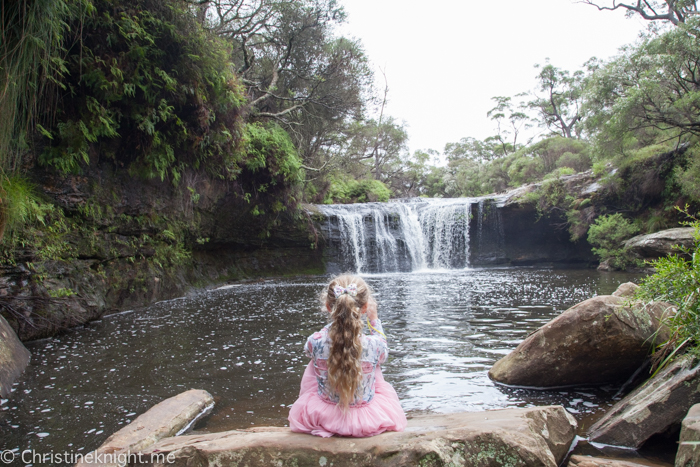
243	343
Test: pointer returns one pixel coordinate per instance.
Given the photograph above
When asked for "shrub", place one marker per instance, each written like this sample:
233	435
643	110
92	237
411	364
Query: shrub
353	191
677	281
607	235
19	203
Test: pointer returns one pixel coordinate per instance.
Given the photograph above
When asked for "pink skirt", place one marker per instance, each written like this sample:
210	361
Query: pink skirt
311	414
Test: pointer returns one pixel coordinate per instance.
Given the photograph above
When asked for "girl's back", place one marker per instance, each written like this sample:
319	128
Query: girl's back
343	391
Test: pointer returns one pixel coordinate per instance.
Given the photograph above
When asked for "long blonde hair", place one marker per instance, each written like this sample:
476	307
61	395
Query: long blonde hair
344	361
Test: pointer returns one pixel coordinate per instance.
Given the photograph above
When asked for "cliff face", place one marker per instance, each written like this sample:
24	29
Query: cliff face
128	242
515	235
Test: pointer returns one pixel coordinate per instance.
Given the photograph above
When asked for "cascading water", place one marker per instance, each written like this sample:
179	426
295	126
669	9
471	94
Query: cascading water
407	235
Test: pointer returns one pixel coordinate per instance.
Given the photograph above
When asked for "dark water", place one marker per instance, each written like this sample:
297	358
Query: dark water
243	344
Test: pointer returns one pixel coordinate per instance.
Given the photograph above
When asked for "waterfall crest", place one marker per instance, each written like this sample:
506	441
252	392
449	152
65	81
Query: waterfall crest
399	236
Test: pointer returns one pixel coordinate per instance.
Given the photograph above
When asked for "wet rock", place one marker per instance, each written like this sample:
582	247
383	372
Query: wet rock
689	444
654	407
588	461
166	419
538	436
601	340
660	244
14	358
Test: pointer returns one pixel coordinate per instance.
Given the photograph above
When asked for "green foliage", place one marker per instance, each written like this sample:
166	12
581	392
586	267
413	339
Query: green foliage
552	196
153	89
687	176
560	172
19	204
559	105
32	36
646	94
348	190
677	281
268	147
608	234
271	173
37	233
473	170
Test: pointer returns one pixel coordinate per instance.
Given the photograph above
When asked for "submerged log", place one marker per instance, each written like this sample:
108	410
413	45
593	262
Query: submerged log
538	436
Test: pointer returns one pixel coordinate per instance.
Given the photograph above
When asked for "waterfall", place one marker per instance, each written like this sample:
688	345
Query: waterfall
407	235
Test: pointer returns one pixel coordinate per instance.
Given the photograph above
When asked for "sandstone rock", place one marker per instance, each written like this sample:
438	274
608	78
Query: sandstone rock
14	358
168	418
538	436
626	290
689	444
652	408
600	340
588	461
659	244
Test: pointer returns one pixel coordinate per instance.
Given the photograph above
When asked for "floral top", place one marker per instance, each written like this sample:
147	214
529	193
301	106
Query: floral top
374	352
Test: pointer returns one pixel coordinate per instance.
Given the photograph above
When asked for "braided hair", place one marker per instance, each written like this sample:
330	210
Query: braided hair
344	361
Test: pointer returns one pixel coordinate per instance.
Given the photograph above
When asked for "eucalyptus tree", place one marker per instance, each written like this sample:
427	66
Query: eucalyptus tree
379	146
559	101
651	89
295	70
510	122
673	11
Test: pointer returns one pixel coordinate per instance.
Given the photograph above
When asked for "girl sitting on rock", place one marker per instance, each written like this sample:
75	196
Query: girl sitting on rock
343	391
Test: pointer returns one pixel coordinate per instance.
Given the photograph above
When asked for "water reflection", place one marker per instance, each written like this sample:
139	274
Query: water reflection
243	344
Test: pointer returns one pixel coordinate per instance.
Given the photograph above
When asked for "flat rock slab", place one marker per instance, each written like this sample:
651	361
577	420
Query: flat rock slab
168	418
652	408
601	340
662	243
538	436
14	358
688	454
588	461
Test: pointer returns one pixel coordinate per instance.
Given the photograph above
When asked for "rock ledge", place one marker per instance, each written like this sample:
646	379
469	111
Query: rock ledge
537	436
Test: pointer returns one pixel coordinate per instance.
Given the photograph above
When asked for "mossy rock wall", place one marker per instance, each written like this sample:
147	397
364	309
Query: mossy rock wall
130	242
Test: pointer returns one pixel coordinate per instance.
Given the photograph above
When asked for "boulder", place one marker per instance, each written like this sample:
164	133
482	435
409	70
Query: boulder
654	407
601	340
688	454
538	436
588	461
166	419
14	358
662	243
626	290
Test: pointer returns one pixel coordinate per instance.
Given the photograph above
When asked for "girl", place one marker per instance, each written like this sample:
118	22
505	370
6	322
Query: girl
343	391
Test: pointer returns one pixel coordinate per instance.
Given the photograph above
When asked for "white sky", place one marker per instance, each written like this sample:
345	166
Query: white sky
445	59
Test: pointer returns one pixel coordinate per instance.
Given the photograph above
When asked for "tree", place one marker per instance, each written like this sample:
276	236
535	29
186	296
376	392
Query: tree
295	70
559	108
652	88
474	149
673	11
509	122
378	145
